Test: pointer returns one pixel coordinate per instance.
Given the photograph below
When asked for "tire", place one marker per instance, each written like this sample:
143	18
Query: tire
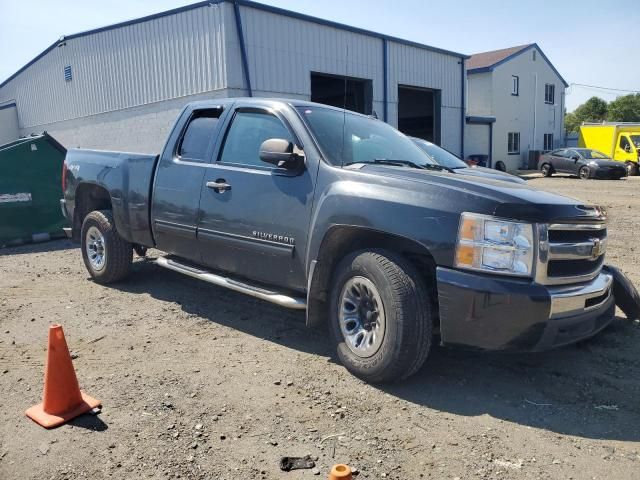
584	173
546	170
399	294
501	167
632	169
98	228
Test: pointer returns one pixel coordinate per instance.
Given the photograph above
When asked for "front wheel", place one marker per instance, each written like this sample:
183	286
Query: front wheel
632	168
584	173
381	316
106	255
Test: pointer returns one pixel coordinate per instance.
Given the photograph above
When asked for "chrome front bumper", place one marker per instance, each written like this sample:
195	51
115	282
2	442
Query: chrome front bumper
569	300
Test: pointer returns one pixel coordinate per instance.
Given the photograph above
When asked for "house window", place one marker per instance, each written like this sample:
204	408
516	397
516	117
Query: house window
534	55
513	143
548	141
68	76
515	85
549	93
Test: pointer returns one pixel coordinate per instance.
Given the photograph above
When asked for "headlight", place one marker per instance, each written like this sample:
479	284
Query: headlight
493	245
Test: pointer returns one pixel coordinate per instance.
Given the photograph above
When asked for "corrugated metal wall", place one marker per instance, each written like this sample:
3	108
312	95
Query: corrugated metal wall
152	61
195	51
283	51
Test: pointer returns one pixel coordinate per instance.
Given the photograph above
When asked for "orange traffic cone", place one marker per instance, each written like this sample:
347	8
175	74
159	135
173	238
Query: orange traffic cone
340	472
62	399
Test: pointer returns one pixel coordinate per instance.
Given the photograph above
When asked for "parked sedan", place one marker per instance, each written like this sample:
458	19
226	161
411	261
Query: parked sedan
448	160
583	162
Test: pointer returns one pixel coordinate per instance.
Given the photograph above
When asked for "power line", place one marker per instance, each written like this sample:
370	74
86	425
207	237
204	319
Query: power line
603	88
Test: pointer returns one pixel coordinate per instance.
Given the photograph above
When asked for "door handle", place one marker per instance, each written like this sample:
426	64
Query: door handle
219	186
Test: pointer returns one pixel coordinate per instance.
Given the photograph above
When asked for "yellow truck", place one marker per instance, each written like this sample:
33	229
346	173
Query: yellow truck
620	141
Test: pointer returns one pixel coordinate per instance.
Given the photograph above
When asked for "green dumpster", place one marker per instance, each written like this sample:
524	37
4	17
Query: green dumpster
30	189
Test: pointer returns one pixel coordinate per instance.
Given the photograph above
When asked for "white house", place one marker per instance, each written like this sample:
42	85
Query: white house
515	104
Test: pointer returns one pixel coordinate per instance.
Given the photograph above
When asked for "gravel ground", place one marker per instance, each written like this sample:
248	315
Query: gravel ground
200	382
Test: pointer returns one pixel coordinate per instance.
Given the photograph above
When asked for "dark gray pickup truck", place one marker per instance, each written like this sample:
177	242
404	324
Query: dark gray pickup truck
317	208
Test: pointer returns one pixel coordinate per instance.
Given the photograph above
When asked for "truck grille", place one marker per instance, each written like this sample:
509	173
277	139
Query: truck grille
571	253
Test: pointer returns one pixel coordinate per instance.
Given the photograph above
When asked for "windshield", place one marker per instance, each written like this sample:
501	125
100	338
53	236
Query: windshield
440	155
592	154
636	140
365	140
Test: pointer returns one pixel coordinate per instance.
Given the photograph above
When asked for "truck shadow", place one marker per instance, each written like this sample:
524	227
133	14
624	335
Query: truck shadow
589	390
29	248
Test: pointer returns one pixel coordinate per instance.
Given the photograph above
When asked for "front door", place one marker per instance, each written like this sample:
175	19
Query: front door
624	150
255	216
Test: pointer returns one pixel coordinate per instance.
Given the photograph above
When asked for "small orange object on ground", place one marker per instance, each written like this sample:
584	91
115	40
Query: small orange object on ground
62	399
340	472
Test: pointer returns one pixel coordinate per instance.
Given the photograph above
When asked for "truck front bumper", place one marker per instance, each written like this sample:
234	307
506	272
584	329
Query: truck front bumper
492	313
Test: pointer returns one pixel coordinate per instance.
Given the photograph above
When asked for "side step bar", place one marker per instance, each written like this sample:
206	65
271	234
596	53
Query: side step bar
257	292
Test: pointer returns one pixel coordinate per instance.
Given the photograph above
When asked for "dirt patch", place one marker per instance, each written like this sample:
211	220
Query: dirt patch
200	382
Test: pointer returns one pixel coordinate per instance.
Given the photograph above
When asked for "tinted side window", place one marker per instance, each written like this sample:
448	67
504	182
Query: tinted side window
560	153
195	141
247	132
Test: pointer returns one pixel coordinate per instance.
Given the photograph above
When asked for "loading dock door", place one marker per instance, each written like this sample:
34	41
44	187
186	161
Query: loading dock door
419	112
338	91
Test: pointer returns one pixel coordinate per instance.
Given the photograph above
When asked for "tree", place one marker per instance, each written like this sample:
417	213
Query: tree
593	110
625	109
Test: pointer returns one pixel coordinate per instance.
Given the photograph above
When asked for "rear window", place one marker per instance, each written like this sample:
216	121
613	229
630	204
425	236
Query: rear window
198	135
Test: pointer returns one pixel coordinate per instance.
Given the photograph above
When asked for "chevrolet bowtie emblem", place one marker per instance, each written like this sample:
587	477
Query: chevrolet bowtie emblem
597	249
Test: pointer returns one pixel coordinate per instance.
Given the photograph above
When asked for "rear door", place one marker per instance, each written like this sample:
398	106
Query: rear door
178	180
557	160
255	216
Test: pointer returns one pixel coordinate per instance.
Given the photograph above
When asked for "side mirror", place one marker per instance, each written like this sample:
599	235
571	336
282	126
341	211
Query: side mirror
627	148
281	153
576	158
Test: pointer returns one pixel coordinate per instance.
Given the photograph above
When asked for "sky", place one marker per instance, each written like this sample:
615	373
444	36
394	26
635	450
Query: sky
586	40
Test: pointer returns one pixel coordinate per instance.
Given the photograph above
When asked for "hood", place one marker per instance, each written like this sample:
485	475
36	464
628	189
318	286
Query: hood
489	173
491	196
605	163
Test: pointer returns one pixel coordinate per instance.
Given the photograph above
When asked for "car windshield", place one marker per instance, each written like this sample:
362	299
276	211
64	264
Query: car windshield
347	138
636	140
592	154
440	155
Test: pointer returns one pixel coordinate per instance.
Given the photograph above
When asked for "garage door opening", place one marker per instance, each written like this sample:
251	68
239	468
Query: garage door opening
419	113
338	91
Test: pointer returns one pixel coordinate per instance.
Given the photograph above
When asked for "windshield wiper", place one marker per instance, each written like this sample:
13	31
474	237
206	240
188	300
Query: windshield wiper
405	163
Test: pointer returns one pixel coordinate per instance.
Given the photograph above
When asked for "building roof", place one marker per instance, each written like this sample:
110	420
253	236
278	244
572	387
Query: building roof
487	61
244	3
494	57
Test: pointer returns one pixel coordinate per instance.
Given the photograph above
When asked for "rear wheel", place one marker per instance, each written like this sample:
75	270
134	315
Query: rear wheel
501	167
546	170
632	168
381	319
584	173
106	255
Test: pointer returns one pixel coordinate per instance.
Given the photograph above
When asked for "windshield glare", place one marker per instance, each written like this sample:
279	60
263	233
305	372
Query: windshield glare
592	154
347	138
440	155
636	140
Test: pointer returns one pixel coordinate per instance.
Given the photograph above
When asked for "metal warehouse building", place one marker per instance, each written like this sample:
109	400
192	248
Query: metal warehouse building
122	86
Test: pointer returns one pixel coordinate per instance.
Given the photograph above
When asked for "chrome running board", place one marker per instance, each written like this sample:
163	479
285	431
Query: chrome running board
257	292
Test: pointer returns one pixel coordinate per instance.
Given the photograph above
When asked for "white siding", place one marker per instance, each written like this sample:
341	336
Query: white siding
517	113
139	64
